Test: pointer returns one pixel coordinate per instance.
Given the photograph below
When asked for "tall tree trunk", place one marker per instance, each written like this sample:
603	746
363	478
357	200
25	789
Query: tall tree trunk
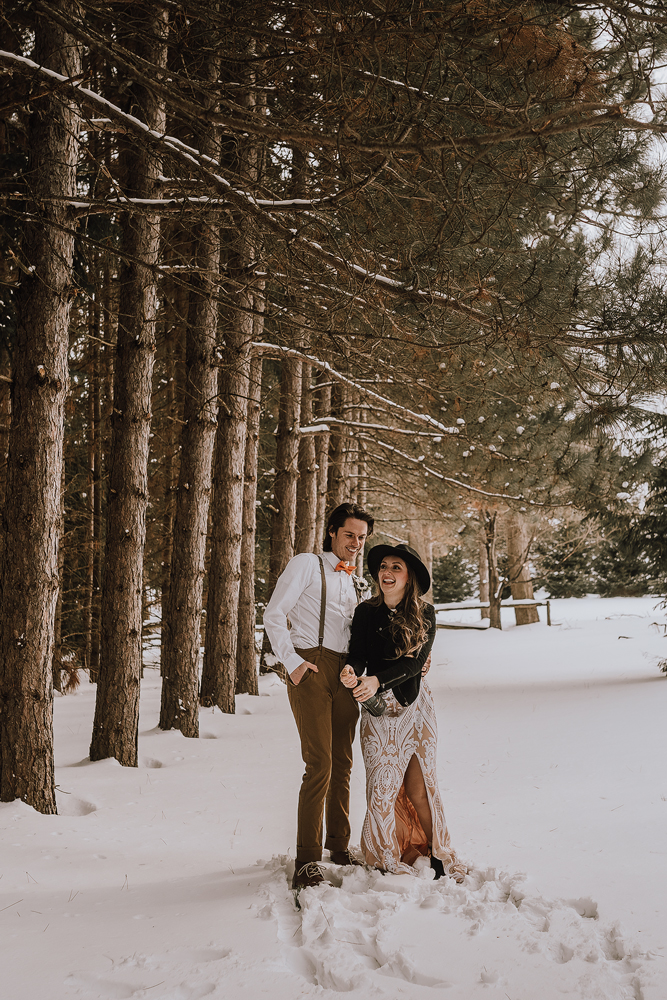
338	470
246	657
31	522
322	440
218	683
420	538
176	335
91	485
483	574
518	545
5	420
495	589
306	492
287	470
352	450
362	484
57	658
181	628
103	392
285	486
218	676
115	727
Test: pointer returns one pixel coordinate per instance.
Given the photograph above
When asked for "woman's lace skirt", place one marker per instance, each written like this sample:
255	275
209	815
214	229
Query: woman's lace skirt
392	838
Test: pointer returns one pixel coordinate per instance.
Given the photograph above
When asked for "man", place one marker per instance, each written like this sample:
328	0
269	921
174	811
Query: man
313	652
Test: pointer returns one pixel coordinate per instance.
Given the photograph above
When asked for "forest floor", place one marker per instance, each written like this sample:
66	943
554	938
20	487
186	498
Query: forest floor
170	881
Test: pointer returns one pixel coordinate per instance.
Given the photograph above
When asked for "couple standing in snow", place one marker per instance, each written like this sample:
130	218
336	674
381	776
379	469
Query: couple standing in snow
340	653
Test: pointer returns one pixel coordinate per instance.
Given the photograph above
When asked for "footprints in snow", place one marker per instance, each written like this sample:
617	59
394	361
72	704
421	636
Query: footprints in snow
70	805
384	936
440	935
139	976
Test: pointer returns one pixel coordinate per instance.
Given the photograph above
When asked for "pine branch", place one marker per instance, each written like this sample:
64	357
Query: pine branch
290	352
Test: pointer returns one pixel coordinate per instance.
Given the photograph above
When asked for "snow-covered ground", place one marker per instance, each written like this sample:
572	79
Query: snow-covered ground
169	881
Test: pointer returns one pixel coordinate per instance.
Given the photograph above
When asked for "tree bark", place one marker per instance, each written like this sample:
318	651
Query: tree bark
287	470
362	487
176	336
218	676
31	522
352	451
285	485
181	620
246	657
57	658
306	492
483	574
495	589
92	399
103	392
218	682
338	469
115	727
5	420
518	545
322	409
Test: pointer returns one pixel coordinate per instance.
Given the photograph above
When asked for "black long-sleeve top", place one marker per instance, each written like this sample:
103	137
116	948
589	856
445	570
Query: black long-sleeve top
372	651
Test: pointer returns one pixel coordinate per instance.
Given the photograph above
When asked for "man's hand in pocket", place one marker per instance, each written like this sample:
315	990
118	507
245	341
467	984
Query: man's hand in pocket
299	672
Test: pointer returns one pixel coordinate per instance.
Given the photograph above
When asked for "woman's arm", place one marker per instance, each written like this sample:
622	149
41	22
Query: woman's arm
396	671
357	654
357	657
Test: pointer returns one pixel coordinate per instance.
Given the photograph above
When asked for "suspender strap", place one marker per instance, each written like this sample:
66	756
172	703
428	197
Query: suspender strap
323	604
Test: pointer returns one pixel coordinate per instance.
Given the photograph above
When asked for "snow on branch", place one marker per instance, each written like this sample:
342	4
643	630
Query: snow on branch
245	201
324	366
176	203
457	482
341	422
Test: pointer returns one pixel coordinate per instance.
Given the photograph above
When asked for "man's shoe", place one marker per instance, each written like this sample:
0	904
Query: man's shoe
344	858
308	875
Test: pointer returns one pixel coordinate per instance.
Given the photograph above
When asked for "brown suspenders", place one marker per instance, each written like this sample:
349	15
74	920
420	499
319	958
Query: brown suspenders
323	604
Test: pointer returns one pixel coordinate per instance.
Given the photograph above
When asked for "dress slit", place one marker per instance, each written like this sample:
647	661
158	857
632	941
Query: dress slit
392	836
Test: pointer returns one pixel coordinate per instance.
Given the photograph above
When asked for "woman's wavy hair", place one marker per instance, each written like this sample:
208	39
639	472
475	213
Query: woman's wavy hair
408	627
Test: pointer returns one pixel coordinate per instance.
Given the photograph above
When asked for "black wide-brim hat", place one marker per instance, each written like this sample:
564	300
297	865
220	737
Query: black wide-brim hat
404	552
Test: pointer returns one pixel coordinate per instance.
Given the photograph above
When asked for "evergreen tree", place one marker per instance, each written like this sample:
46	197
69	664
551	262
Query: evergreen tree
564	561
647	529
454	578
622	571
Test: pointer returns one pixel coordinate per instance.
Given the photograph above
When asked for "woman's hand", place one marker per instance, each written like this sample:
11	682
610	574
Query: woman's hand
348	676
366	688
427	666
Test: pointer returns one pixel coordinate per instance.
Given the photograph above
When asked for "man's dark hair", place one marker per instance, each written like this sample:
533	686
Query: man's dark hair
339	516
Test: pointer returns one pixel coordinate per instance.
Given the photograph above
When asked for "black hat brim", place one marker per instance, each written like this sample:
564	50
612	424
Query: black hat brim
408	555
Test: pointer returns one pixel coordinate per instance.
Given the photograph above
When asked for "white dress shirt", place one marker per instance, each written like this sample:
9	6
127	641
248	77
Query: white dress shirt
298	594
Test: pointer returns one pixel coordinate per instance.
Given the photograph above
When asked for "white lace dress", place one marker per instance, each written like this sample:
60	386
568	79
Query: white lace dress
392	836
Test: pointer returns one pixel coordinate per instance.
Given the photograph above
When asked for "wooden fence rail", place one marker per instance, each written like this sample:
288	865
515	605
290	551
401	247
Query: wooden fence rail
465	606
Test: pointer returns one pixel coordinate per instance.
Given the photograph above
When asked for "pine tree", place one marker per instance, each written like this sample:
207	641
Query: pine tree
564	560
115	727
32	517
454	578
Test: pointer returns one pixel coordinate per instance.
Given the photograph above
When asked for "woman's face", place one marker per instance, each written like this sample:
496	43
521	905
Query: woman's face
393	579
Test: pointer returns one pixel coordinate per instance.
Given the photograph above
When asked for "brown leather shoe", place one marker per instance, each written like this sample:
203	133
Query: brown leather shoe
308	875
344	858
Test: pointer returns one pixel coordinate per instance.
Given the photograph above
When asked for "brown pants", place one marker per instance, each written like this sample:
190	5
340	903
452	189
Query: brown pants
326	716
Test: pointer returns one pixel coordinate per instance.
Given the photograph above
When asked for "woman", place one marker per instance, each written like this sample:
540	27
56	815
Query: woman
392	636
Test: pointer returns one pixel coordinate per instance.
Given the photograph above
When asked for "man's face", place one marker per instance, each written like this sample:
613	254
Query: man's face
348	541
